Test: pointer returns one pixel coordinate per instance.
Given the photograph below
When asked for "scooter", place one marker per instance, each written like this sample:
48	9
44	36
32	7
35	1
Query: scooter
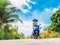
35	36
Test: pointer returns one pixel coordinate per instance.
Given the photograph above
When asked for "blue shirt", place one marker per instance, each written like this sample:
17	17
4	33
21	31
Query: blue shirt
36	27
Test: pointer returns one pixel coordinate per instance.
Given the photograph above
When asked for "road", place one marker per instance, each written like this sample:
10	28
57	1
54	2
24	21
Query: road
53	41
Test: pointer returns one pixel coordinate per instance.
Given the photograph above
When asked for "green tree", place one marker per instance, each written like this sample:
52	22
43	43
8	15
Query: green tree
56	21
7	14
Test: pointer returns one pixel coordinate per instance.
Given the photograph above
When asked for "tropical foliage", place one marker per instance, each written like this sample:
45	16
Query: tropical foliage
7	15
56	21
10	32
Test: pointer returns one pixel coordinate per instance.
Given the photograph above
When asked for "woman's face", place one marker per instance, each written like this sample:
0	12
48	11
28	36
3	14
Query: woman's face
35	22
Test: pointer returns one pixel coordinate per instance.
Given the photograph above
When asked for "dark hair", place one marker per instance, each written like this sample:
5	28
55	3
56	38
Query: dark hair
35	20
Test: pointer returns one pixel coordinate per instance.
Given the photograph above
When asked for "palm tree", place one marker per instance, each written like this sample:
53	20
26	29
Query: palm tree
7	14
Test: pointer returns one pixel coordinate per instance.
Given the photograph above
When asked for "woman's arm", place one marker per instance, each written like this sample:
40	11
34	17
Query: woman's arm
32	30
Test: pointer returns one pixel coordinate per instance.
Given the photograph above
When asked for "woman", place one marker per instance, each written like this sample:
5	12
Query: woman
35	28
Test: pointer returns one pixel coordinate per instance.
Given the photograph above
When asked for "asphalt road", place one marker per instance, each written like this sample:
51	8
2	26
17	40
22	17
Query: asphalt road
53	41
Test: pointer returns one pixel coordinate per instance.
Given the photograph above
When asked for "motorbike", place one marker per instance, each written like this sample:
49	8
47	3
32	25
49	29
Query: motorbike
35	35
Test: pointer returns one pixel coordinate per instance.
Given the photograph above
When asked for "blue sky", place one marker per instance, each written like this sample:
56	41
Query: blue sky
34	9
39	8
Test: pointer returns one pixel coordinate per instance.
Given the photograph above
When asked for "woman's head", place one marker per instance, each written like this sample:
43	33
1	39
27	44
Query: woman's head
35	20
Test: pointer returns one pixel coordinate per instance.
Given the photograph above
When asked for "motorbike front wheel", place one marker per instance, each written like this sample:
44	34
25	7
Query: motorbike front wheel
36	36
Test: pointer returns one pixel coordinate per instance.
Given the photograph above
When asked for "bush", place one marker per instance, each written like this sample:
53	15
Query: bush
1	34
58	34
22	36
10	32
48	34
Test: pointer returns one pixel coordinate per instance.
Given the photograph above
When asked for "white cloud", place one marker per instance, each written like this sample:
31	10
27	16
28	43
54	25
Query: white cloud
31	1
47	10
43	26
25	28
53	10
25	11
20	3
42	15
